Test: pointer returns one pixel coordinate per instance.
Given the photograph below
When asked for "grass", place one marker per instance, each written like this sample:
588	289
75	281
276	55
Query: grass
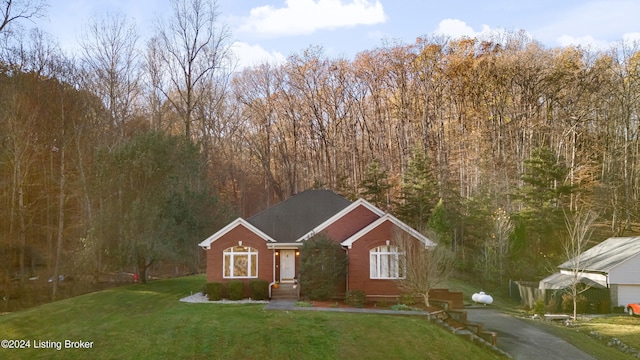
148	321
624	328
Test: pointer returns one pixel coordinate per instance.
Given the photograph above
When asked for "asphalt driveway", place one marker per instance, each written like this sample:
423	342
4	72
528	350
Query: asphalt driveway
522	340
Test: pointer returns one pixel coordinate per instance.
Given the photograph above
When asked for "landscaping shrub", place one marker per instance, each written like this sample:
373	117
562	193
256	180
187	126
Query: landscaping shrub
538	307
323	267
401	307
213	290
356	298
259	289
567	304
407	299
235	290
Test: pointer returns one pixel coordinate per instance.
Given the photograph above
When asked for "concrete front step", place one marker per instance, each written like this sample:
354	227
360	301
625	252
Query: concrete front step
284	291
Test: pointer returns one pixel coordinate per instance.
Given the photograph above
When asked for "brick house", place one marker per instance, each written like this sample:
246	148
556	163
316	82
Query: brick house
266	245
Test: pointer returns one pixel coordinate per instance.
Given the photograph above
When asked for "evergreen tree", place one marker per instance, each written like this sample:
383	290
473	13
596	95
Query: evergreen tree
544	180
542	198
375	186
419	192
439	223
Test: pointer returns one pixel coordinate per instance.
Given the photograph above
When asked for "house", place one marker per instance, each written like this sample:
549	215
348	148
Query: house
613	264
266	245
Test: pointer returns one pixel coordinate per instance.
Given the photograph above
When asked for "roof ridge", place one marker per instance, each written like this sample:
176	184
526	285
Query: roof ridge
295	216
292	196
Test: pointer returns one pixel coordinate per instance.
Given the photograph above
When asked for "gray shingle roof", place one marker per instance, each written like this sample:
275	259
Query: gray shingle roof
608	254
290	219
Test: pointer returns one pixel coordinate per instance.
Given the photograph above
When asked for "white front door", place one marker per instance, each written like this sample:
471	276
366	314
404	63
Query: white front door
287	265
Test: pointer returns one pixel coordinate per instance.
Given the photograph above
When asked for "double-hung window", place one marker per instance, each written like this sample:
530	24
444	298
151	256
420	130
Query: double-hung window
386	262
240	262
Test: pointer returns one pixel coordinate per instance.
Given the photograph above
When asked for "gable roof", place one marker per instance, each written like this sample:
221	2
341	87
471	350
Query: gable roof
206	243
608	254
289	220
339	215
388	217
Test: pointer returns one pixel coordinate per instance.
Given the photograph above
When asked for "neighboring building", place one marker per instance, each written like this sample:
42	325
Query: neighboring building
612	264
266	245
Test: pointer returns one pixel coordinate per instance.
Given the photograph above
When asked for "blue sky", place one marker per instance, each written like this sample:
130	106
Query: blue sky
271	30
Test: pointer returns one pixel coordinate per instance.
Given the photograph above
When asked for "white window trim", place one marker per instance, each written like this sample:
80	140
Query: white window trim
391	251
232	254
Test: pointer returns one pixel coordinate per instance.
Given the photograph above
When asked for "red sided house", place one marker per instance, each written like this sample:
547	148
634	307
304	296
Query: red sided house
266	245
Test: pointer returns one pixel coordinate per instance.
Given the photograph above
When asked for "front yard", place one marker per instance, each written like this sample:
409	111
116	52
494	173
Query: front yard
148	321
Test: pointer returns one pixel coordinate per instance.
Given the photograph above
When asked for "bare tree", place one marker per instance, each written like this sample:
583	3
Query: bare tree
154	71
254	89
21	118
425	266
194	49
14	10
110	61
497	244
579	228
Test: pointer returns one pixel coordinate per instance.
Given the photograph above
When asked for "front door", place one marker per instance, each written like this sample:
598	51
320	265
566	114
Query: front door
287	265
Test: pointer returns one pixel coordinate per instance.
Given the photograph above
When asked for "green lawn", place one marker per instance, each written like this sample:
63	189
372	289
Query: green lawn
148	321
622	327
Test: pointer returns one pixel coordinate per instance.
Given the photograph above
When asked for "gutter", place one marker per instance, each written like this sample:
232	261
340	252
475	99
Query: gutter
346	250
273	271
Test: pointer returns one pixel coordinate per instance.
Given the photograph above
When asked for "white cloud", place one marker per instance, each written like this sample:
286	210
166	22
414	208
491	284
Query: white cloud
457	28
307	16
631	38
594	23
586	41
589	41
251	55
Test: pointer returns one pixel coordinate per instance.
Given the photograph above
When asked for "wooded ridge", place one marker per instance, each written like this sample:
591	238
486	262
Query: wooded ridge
128	155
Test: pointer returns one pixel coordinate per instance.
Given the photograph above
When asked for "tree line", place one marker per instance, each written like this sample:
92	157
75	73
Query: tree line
129	153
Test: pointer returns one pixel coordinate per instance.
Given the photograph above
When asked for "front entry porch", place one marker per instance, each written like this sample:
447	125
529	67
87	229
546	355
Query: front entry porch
285	291
285	261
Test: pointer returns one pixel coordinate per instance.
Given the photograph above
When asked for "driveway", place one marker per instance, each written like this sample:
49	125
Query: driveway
522	340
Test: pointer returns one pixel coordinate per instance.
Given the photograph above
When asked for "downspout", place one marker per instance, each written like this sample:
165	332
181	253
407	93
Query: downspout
346	251
273	271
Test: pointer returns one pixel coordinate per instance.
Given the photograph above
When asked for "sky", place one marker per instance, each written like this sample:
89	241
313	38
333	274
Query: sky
272	30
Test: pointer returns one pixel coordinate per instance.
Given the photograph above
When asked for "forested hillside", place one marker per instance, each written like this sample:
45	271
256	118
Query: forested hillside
126	156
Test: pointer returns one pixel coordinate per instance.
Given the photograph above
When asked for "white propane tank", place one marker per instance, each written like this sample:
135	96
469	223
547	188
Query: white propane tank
482	298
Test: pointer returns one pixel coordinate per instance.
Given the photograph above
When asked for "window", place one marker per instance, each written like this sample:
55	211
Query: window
386	262
240	262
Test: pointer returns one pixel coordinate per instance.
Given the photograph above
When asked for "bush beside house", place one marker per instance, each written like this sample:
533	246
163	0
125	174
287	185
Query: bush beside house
259	289
213	290
235	290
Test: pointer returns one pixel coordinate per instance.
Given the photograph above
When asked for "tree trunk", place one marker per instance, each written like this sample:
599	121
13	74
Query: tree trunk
425	296
56	269
143	267
21	223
